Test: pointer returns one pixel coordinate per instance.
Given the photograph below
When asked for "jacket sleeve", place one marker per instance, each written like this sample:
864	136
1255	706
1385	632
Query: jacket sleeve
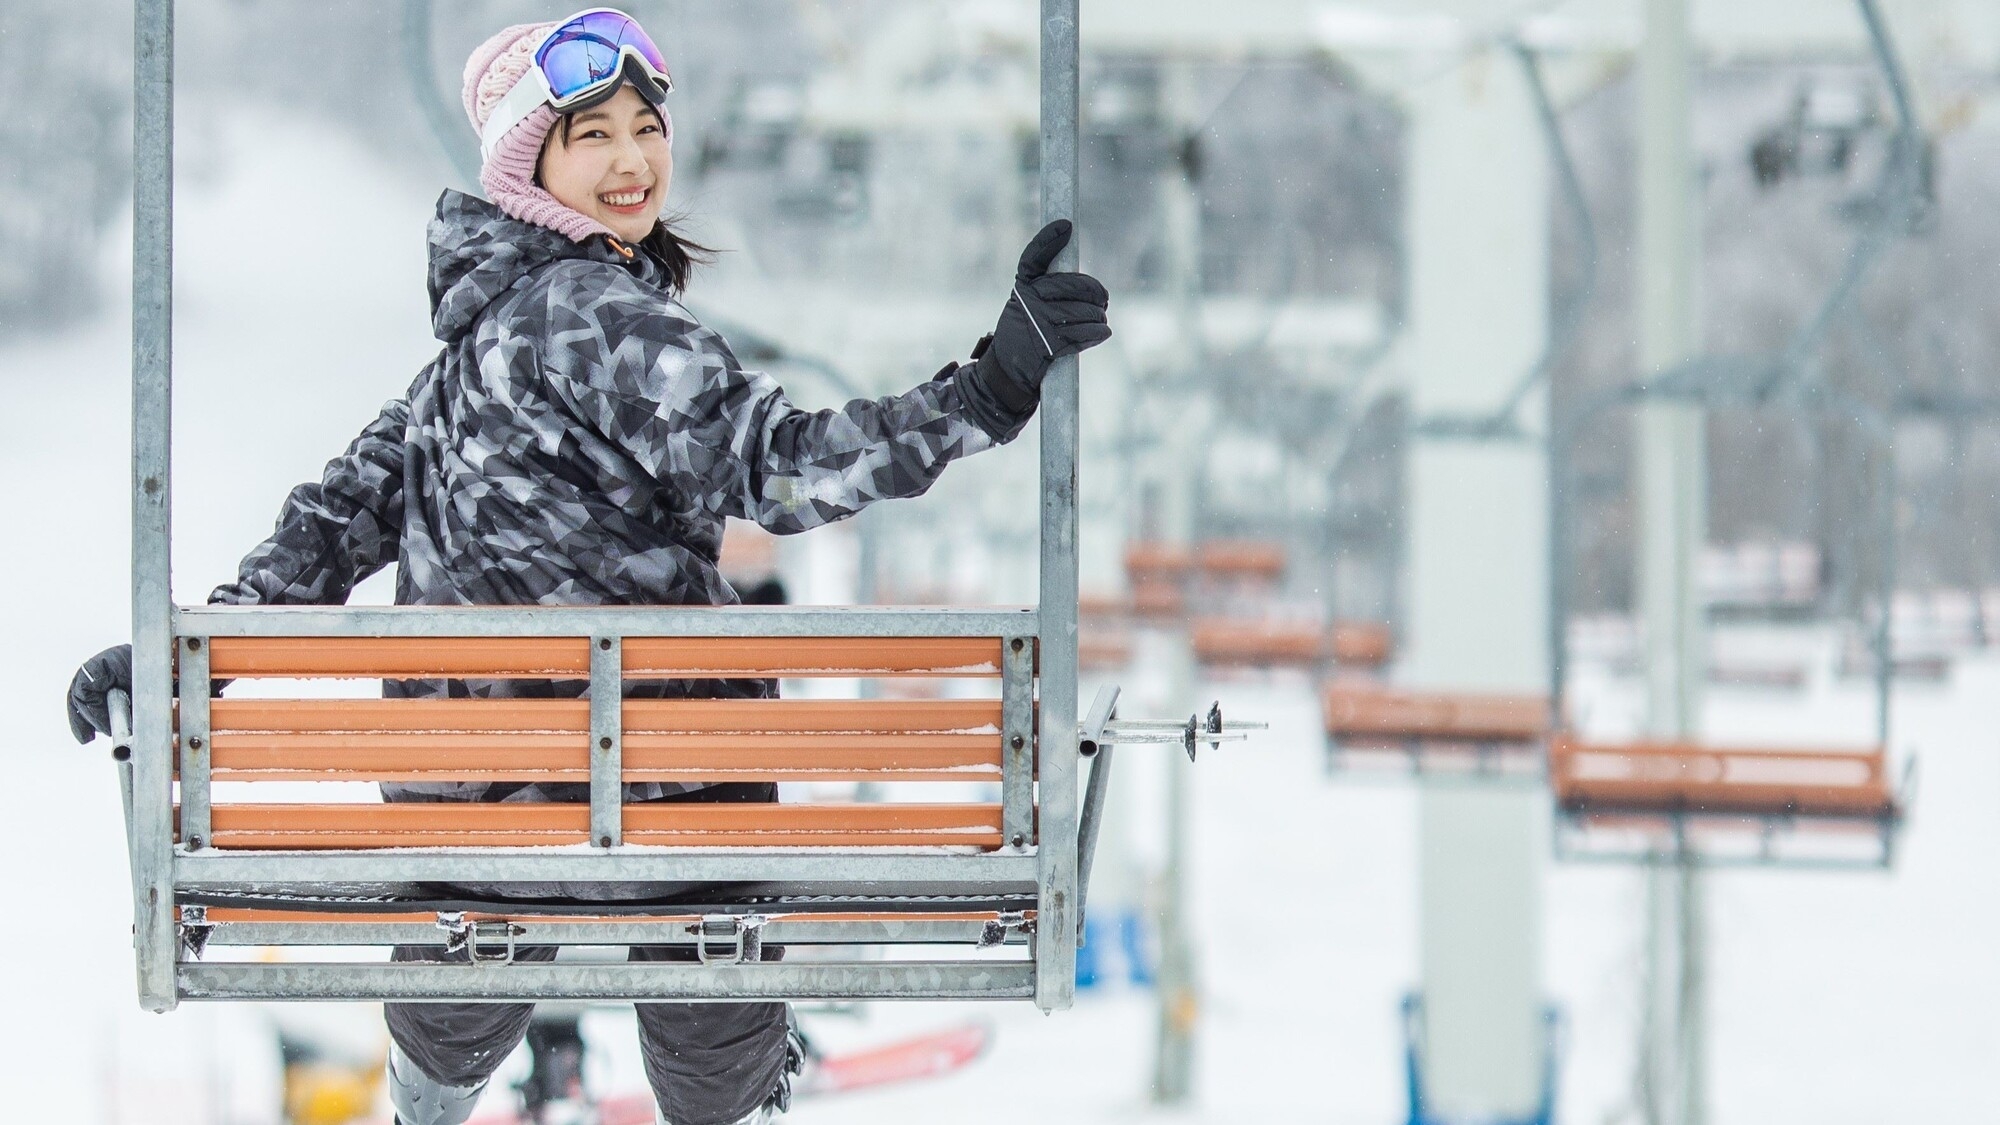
333	533
670	393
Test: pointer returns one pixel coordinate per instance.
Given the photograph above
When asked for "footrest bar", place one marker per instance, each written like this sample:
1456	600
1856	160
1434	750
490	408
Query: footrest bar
518	981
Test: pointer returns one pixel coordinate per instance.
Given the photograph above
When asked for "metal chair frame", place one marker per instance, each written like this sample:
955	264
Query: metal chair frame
1039	860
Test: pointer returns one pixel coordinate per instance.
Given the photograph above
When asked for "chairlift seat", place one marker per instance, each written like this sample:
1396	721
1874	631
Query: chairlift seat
1225	642
1665	800
1459	731
957	868
1682	777
1241	560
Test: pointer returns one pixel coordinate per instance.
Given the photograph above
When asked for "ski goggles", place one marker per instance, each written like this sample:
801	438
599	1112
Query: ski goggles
580	62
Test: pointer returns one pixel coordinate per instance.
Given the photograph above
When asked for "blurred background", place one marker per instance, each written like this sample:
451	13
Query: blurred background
1635	362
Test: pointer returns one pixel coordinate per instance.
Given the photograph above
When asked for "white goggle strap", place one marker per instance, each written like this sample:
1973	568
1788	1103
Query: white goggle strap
528	95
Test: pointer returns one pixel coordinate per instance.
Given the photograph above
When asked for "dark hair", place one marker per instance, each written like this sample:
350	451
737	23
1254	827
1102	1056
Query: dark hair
677	254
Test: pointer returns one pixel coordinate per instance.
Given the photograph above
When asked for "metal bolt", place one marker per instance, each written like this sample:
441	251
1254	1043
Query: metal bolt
194	743
604	743
194	842
1018	642
605	644
194	642
1019	742
1020	840
604	841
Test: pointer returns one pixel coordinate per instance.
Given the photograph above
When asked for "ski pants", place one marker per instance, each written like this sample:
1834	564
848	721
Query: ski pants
708	1064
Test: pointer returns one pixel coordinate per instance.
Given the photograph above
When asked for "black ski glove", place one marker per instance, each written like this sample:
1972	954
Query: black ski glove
89	712
1047	315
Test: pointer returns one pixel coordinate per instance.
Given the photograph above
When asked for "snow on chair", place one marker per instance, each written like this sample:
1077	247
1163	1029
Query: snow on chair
998	880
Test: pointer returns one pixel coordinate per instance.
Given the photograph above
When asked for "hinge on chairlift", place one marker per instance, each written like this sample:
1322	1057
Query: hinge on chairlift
474	936
995	930
728	939
195	929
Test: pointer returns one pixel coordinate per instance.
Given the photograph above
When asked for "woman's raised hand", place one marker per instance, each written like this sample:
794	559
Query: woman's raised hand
1047	315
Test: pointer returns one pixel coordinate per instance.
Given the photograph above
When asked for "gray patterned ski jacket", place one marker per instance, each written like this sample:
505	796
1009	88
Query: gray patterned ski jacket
580	440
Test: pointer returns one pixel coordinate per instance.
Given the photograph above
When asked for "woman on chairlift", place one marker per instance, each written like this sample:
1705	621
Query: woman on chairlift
580	440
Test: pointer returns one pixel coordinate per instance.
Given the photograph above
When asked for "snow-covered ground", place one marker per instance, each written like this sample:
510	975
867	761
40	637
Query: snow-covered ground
1843	999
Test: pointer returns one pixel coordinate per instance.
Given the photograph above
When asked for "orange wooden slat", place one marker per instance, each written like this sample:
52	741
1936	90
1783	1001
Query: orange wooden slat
1160	562
1362	644
1241	558
1157	600
1370	712
568	716
1672	751
673	657
1254	643
572	716
870	825
756	757
224	914
314	827
1644	777
569	657
807	715
399	756
399	657
1741	800
647	757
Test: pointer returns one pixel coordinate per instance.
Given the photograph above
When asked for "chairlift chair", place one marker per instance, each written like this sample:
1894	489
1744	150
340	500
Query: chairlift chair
996	886
1688	800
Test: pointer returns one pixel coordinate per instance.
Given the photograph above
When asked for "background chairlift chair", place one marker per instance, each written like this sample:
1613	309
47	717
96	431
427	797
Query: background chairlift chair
1468	734
1228	597
1003	883
1677	801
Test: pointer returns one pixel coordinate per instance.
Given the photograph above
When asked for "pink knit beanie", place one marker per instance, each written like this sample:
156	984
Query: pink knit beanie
508	175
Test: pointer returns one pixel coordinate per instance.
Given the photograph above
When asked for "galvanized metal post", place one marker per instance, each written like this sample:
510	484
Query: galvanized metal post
152	590
1017	745
607	741
1177	1018
194	747
1055	947
1178	991
1673	518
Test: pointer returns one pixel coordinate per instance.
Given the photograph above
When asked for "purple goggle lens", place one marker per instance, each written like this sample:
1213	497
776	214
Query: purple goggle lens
588	50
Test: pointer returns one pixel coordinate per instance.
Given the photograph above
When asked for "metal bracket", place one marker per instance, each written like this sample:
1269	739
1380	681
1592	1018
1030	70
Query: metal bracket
470	936
1191	734
195	930
994	932
738	937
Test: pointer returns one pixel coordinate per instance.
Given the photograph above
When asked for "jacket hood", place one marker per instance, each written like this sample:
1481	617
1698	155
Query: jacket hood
478	251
